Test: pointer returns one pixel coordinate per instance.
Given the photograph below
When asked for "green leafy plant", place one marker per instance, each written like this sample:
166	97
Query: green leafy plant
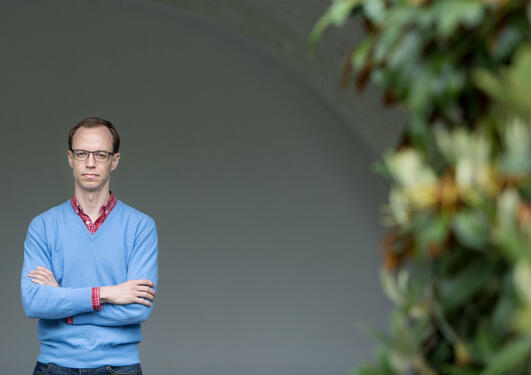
458	248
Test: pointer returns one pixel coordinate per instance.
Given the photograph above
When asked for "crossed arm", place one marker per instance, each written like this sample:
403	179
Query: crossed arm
126	303
132	291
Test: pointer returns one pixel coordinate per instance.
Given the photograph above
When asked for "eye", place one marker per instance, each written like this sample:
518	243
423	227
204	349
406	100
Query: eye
101	155
80	154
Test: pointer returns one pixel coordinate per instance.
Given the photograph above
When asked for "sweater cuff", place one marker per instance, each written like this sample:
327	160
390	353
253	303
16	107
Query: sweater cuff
95	300
96	303
80	301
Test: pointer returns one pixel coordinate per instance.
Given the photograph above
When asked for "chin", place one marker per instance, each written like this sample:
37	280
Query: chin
90	187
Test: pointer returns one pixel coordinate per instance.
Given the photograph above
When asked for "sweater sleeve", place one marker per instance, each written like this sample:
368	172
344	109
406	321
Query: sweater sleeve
142	265
45	301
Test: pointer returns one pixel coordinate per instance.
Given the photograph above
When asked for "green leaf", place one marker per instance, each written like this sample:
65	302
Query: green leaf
337	14
504	310
379	336
456	370
359	57
484	344
506	42
420	93
513	89
511	355
472	228
394	290
406	50
522	279
506	234
434	232
375	11
379	168
456	289
453	13
517	156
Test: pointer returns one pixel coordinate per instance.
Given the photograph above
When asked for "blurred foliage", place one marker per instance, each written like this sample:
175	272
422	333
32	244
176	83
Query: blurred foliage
458	248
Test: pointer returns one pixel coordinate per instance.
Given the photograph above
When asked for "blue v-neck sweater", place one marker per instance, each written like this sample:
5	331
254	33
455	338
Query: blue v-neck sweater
124	248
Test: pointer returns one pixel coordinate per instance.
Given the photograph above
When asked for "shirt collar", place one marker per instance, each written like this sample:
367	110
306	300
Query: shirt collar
105	209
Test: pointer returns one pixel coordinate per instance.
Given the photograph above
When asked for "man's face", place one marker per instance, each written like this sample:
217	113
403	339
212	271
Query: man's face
91	175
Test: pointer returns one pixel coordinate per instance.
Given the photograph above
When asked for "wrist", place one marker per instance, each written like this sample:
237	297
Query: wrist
104	294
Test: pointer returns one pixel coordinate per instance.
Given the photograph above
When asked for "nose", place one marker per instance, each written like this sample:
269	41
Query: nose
91	161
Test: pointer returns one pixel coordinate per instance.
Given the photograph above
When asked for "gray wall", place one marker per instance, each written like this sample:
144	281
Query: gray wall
266	208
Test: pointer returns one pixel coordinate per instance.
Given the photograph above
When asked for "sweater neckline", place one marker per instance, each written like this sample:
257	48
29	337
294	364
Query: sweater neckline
84	228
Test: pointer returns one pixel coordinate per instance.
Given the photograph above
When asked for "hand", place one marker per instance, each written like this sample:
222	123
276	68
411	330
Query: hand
132	291
43	276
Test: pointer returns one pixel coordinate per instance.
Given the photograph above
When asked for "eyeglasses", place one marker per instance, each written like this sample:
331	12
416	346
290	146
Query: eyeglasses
82	155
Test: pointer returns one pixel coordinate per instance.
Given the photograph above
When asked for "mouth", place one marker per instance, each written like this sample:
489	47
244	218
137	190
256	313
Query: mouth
89	175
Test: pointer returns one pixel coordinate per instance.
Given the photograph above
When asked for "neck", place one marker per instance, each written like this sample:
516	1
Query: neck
91	201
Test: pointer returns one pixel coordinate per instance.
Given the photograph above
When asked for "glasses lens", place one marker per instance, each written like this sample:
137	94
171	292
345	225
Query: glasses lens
80	155
101	156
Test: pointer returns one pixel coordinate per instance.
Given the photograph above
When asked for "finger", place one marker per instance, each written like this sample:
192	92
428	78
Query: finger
142	301
48	273
38	272
145	282
37	281
147	289
44	269
39	277
146	295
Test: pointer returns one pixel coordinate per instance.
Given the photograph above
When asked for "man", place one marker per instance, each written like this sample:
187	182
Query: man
90	266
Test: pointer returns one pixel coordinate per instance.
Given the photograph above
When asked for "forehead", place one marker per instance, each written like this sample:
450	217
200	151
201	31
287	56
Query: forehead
92	139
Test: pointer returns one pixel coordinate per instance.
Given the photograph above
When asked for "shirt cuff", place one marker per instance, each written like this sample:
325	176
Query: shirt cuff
96	303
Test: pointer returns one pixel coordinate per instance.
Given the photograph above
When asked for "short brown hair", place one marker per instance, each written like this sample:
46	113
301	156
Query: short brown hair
91	122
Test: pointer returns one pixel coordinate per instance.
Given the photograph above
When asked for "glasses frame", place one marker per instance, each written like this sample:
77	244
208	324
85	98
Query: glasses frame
109	154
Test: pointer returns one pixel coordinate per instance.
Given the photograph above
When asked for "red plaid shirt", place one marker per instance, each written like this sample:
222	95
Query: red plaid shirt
105	210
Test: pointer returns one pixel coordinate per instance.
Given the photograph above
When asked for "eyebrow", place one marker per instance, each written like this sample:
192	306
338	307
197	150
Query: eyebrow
82	149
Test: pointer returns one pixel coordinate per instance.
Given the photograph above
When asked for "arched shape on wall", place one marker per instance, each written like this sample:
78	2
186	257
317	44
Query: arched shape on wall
266	207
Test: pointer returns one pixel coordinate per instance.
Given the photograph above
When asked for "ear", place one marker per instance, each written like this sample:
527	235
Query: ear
70	158
115	161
